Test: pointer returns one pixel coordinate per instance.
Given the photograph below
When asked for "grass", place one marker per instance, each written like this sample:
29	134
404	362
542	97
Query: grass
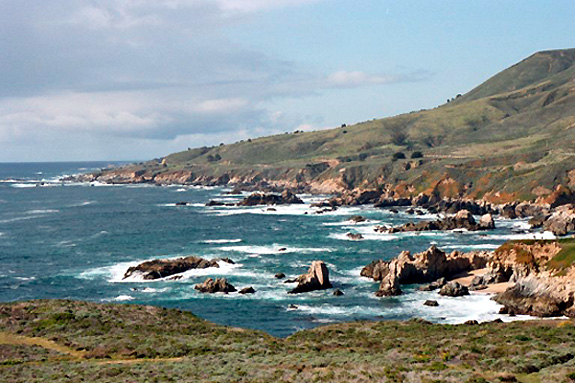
131	343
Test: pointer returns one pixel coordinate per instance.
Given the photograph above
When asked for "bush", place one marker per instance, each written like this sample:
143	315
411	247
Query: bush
363	156
416	155
398	156
399	138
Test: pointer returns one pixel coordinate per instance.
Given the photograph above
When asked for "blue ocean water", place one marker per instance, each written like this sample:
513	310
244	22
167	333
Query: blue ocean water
75	241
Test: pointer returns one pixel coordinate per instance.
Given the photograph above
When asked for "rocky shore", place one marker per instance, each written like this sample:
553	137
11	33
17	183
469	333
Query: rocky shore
539	276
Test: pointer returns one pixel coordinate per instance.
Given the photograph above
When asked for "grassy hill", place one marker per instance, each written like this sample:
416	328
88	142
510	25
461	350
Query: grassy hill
513	134
57	341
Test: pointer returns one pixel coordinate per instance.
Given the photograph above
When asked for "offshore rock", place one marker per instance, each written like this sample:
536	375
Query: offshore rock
161	268
219	285
286	197
462	220
317	278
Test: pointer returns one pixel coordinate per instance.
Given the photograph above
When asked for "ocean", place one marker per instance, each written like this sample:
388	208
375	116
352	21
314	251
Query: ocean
75	241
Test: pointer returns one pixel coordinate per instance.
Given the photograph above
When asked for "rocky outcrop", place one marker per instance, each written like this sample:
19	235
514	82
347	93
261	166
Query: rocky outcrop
540	295
219	285
562	221
317	278
247	290
357	219
161	268
454	289
424	267
462	220
430	303
286	197
543	275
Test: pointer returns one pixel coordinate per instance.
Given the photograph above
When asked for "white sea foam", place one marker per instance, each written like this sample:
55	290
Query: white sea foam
538	235
274	249
181	190
482	246
369	237
120	298
222	240
25	278
22	185
42	211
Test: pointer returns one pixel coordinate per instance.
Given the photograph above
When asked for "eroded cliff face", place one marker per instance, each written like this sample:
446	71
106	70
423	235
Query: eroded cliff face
544	276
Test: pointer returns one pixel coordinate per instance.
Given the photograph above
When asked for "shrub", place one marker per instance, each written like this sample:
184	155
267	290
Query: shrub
399	138
416	155
398	156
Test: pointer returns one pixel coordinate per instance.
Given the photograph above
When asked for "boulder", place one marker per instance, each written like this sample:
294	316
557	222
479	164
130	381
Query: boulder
434	285
486	222
219	285
338	293
454	289
162	268
247	290
562	220
280	276
317	278
215	203
357	219
354	236
431	303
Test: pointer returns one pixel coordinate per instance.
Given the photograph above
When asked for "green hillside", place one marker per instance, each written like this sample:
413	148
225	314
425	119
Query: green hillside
514	134
65	341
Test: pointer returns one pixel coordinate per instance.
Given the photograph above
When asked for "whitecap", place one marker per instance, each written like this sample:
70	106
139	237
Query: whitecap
370	237
222	240
120	298
274	249
42	211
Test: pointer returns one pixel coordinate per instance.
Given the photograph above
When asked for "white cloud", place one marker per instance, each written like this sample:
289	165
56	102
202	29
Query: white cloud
356	78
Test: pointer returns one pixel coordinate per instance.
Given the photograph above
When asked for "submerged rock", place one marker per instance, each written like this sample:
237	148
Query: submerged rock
219	285
338	293
357	219
317	278
162	268
354	236
279	276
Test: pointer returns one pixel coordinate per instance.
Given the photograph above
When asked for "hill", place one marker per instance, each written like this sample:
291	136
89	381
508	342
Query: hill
510	138
53	341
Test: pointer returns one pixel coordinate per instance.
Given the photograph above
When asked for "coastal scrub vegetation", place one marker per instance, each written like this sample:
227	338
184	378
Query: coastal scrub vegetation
49	341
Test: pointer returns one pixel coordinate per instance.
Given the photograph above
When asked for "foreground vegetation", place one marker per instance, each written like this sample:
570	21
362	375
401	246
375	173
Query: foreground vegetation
50	341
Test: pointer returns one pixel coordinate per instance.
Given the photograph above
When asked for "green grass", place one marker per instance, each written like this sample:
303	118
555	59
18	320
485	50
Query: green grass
131	343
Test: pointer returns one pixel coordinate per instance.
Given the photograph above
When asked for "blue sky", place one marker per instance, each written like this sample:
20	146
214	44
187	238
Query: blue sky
137	79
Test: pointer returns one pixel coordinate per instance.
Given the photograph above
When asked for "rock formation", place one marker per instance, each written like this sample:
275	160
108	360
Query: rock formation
286	197
562	220
219	285
317	278
424	267
462	220
454	289
161	268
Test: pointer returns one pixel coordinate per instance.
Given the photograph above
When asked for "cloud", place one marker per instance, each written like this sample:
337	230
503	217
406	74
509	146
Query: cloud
111	72
355	79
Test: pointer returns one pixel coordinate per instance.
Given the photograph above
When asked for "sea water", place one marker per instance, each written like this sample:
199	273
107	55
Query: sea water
76	241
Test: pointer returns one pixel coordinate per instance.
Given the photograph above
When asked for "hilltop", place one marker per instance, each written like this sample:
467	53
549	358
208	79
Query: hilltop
510	138
49	341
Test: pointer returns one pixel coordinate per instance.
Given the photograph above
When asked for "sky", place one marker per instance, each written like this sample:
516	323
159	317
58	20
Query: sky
84	80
